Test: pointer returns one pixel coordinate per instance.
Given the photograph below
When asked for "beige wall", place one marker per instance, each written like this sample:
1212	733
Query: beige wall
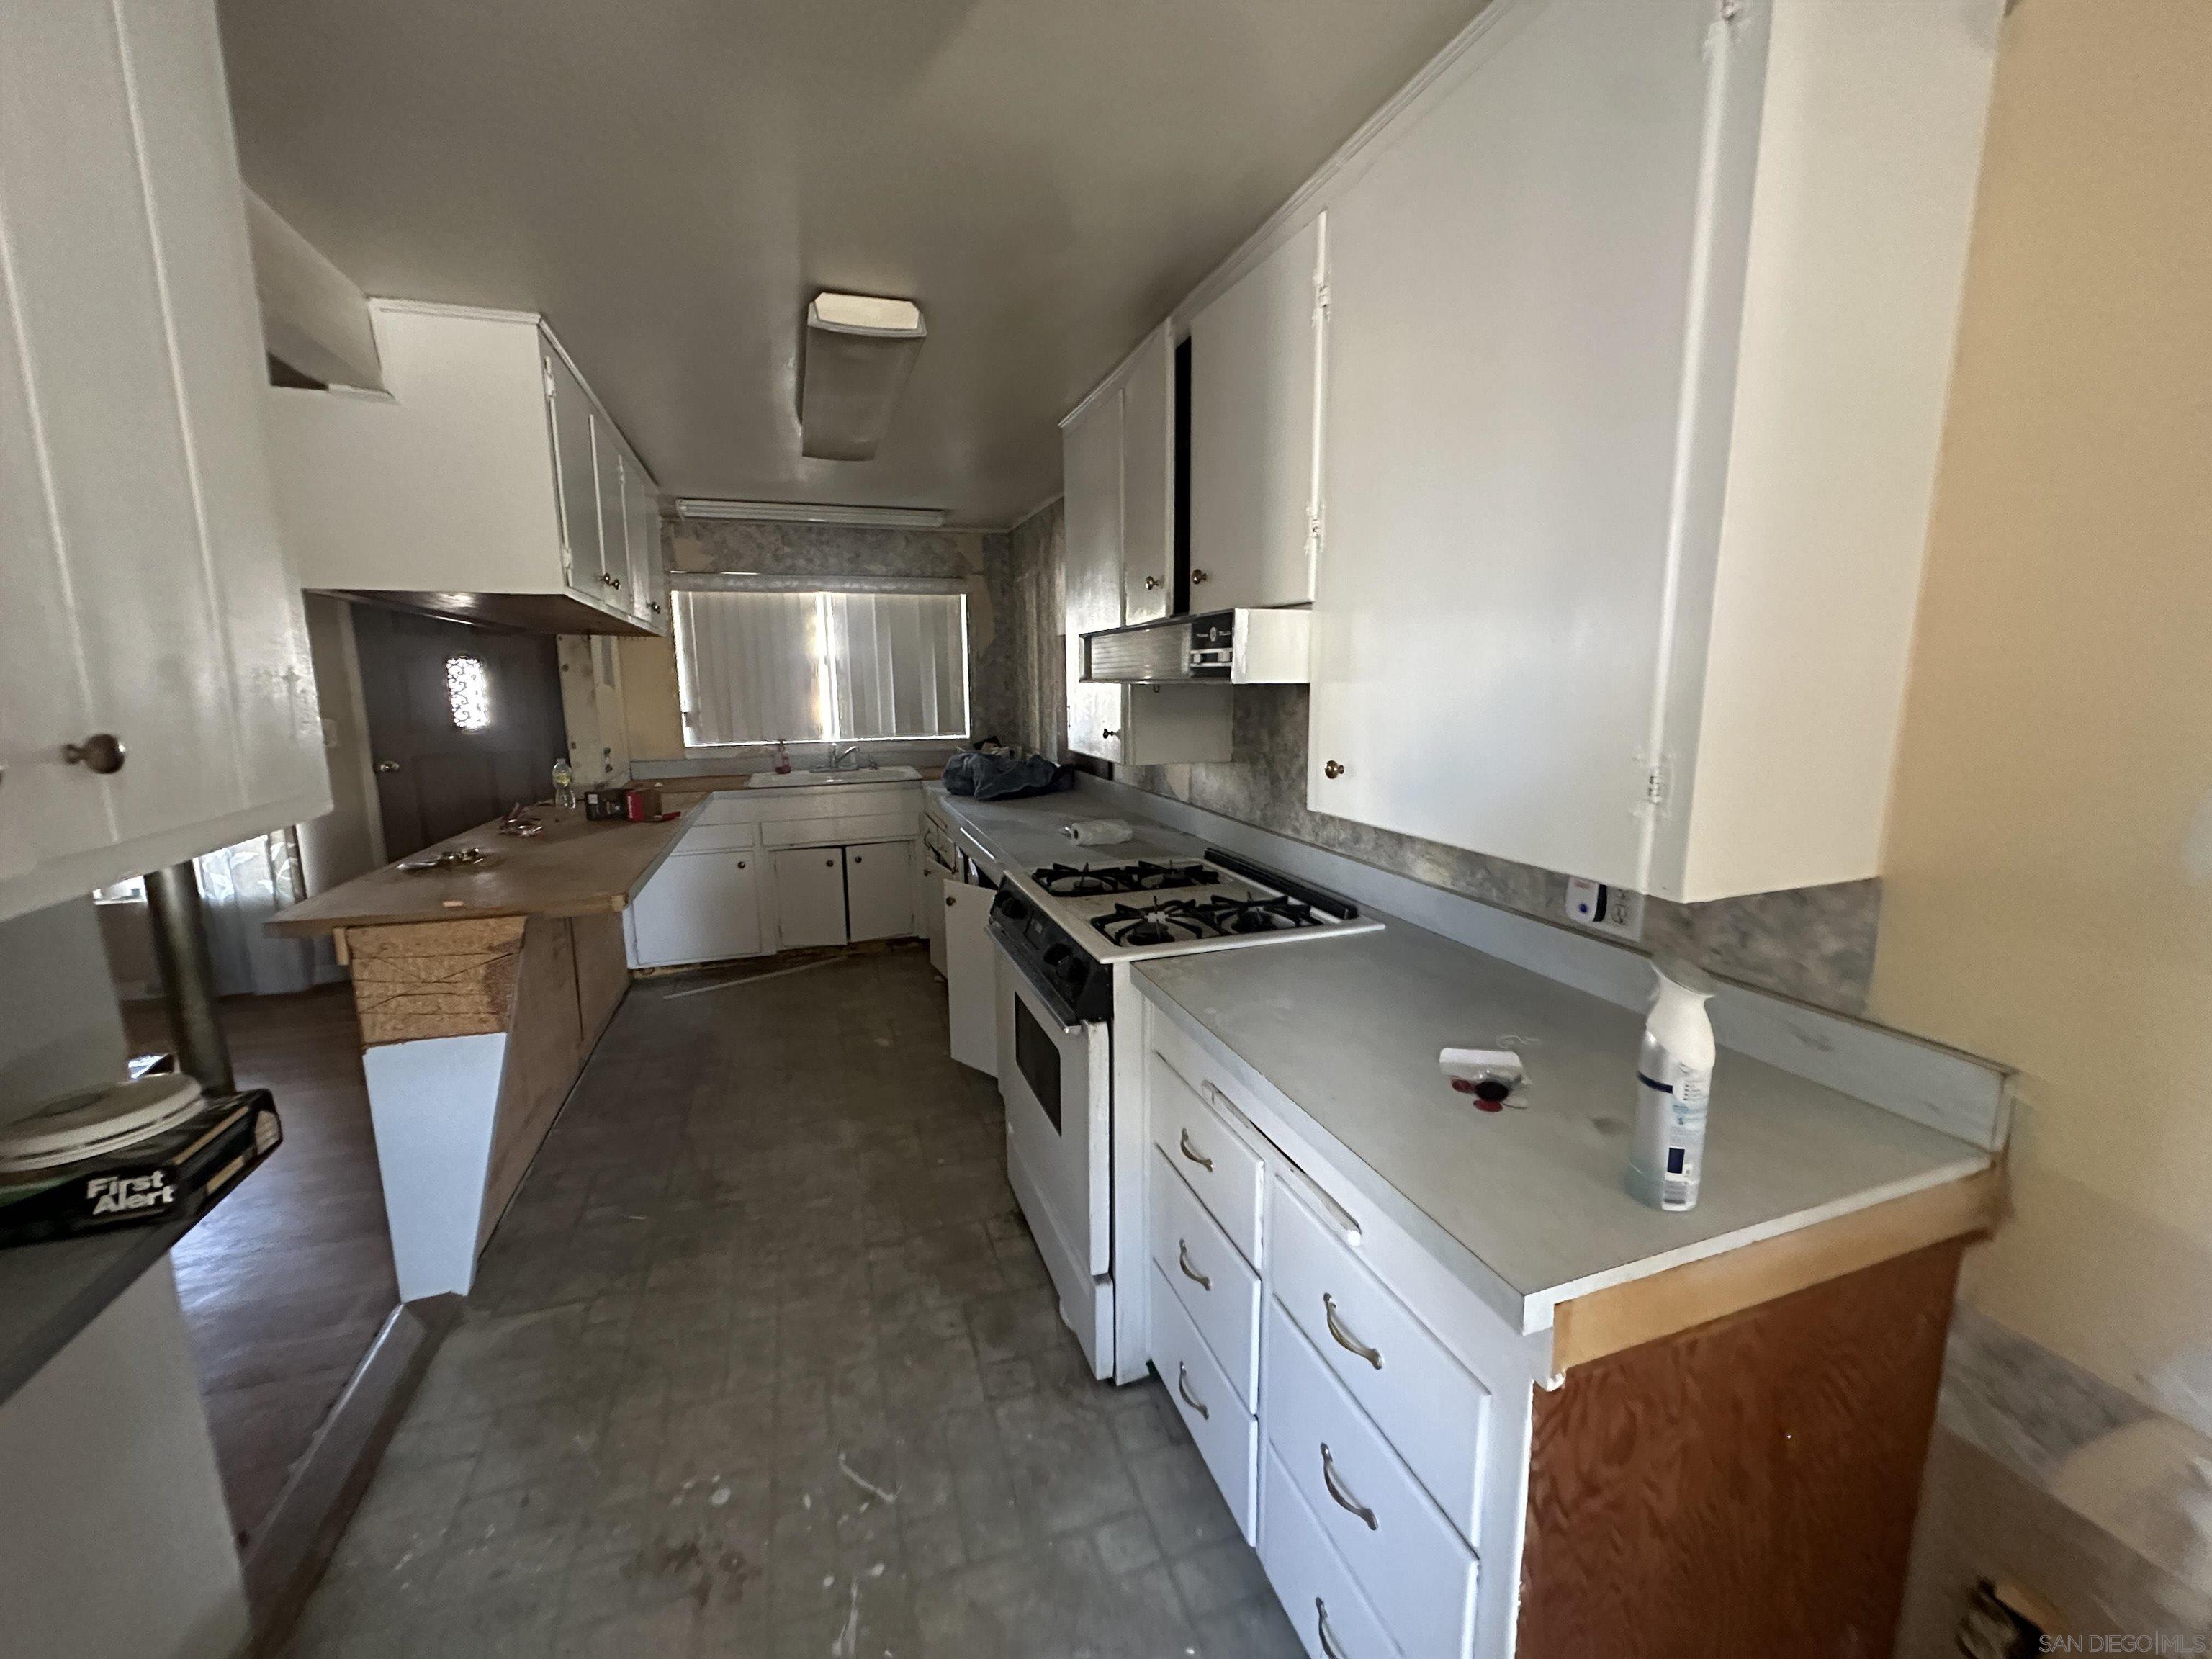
2049	876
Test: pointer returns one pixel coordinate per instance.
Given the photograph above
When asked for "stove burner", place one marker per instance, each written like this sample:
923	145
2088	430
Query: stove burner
1168	922
1256	915
1065	881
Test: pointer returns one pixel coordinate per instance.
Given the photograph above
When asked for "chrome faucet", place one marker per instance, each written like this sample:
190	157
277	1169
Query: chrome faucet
847	759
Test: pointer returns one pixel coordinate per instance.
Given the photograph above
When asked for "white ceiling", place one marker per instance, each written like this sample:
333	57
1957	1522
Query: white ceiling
670	182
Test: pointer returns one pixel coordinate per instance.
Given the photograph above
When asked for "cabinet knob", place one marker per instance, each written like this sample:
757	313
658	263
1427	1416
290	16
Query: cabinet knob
101	752
1333	769
1151	583
387	766
1196	575
741	863
1108	731
948	901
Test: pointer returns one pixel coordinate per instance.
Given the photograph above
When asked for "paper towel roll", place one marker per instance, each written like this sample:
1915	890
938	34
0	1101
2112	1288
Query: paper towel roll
1096	832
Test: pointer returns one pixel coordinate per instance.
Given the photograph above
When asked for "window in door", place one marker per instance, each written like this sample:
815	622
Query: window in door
823	666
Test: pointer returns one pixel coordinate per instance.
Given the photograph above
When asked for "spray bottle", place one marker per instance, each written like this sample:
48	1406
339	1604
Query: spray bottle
1673	1082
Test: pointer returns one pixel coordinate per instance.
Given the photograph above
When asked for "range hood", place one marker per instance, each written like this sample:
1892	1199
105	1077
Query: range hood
1237	647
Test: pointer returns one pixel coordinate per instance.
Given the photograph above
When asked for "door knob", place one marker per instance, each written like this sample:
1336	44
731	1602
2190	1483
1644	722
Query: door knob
387	766
1333	769
101	752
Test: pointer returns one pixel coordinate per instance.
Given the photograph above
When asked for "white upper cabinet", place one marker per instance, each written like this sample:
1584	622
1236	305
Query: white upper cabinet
1148	480
489	483
1640	329
1257	353
1091	461
156	698
648	577
1119	437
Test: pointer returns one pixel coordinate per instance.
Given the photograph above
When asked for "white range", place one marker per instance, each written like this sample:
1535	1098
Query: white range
1067	933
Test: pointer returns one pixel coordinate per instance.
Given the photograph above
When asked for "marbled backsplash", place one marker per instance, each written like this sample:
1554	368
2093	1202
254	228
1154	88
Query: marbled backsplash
1815	944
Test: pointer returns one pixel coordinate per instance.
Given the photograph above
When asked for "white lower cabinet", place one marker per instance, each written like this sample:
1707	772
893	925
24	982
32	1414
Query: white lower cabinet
700	906
971	974
1226	1435
1330	1613
880	890
810	896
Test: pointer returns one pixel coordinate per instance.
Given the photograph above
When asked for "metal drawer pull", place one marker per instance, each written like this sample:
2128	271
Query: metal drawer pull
1345	1500
1182	1256
1182	1388
1194	1155
1344	1338
1320	1625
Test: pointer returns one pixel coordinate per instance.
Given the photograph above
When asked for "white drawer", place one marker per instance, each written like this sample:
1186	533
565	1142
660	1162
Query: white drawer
716	837
1227	1437
1425	1401
1218	1291
1224	1172
1310	1579
841	831
1415	1568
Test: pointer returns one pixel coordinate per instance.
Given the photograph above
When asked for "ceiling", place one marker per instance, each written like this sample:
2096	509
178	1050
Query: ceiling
670	182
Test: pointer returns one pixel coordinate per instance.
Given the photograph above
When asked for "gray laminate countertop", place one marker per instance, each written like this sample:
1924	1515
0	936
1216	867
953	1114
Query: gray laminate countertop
1027	834
1348	1030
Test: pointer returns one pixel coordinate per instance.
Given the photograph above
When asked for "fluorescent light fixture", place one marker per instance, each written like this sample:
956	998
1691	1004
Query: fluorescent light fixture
859	353
887	518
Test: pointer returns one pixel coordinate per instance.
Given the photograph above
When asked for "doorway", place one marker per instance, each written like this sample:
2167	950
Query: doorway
463	722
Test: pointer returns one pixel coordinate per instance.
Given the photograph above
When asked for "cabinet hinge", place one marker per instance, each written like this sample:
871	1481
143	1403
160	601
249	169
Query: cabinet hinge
1314	528
1321	301
1655	788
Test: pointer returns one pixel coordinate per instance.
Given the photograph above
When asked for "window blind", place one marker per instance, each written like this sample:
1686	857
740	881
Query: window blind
820	667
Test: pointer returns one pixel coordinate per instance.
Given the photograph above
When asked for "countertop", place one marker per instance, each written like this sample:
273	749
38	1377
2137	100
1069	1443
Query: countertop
49	1293
1027	833
576	867
1348	1030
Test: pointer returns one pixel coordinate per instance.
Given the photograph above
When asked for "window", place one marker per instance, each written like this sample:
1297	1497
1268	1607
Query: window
820	667
468	693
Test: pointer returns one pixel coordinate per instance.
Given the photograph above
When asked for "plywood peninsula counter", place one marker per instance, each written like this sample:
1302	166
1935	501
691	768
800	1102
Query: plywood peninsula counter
481	994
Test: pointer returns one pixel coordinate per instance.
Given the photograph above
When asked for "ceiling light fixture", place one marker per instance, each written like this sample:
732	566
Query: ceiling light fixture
859	353
885	518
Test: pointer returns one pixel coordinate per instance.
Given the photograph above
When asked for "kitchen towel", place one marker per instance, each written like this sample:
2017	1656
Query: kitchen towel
1096	832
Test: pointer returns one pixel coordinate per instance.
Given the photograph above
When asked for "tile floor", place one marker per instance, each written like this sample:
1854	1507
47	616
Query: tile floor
763	1362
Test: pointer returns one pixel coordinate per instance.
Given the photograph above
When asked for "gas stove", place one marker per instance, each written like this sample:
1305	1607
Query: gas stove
1066	924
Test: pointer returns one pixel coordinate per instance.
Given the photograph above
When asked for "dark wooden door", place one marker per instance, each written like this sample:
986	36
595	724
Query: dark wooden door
448	759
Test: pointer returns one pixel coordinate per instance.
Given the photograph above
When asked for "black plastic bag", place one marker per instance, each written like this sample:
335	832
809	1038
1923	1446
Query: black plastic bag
1002	775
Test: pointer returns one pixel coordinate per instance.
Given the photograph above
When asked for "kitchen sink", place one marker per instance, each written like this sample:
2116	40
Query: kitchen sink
815	780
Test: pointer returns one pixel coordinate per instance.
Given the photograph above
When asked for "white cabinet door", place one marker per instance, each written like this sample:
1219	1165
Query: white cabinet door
810	896
1148	480
880	890
1255	366
649	578
575	471
971	976
148	594
1507	313
699	907
1091	467
608	471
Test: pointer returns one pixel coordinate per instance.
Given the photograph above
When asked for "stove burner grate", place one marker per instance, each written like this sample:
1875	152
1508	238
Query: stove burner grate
1168	922
1092	881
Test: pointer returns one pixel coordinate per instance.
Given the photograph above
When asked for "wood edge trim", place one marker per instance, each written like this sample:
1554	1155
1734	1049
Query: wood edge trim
338	947
1622	1317
284	1561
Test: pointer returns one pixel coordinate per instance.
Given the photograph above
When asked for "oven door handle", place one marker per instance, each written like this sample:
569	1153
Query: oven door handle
1069	1026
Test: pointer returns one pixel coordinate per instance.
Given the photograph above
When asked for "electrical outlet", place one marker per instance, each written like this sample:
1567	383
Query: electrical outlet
1613	910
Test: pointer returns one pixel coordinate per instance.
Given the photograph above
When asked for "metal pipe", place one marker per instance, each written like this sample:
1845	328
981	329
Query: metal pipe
180	951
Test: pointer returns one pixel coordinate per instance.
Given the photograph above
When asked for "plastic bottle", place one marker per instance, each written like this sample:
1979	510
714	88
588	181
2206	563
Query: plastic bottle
564	785
1674	1086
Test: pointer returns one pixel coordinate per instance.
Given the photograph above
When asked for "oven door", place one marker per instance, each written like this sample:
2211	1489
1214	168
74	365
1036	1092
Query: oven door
1056	1080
